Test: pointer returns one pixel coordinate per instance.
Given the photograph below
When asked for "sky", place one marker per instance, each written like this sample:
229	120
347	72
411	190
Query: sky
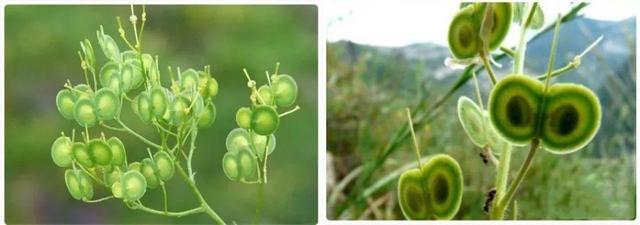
390	23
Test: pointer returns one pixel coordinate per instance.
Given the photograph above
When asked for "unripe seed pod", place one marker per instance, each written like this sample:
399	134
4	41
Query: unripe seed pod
180	109
81	154
110	76
212	87
259	144
159	101
118	153
208	116
514	108
73	184
61	152
114	176
501	18
100	152
134	185
148	169
238	139
116	189
240	165
572	117
264	120
463	34
137	166
131	76
188	79
144	107
285	90
109	47
65	101
164	164
82	91
89	56
266	94
107	104
472	119
84	113
243	117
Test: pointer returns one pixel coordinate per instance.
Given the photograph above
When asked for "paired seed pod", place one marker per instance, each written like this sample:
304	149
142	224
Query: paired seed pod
565	118
208	116
243	117
264	120
465	28
61	152
95	152
79	184
108	46
239	139
131	186
285	90
160	168
433	191
240	165
88	108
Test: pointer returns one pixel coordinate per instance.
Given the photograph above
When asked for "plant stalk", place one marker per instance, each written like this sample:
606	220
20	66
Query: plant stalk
203	203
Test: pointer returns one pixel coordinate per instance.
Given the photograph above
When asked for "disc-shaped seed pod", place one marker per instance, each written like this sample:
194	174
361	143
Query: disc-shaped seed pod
108	72
212	87
463	34
61	152
100	152
266	94
81	154
118	153
501	17
79	184
259	144
264	120
285	90
137	166
144	107
134	185
131	76
198	106
165	165
444	181
243	117
208	116
472	119
238	139
152	69
65	102
240	165
84	113
107	104
514	106
82	91
113	176
572	117
180	109
159	101
109	47
148	169
188	79
411	196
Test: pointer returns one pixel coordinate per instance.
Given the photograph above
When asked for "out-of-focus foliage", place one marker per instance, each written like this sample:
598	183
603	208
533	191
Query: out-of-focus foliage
368	86
41	44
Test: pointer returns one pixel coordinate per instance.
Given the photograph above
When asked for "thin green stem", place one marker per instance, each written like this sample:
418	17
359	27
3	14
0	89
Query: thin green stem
112	127
477	85
166	200
204	205
518	67
99	200
173	214
290	111
514	211
484	56
573	64
256	219
501	205
143	139
508	51
413	135
552	54
502	178
192	148
101	182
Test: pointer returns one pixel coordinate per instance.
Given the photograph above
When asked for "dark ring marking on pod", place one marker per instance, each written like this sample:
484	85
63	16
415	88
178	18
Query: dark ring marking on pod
411	195
445	184
501	16
463	34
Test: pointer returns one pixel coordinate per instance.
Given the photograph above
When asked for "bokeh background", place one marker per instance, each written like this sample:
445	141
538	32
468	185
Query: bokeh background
40	54
369	85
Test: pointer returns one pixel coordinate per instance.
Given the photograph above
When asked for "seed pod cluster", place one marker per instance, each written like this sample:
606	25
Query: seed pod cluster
466	28
86	107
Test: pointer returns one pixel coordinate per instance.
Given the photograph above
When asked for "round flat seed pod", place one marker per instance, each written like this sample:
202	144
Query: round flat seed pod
84	113
264	120
463	34
238	139
212	87
188	79
137	166
130	76
243	117
285	90
266	94
164	164
444	181
100	152
144	107
411	196
572	116
118	153
230	166
109	71
86	186
82	91
148	169
260	144
109	48
248	164
114	176
134	185
107	104
65	102
159	101
61	152
208	116
472	119
81	154
501	16
117	189
72	181
514	106
180	109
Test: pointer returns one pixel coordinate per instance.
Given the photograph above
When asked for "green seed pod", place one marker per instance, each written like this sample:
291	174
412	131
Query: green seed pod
243	117
107	104
259	144
188	79
198	105
285	90
501	16
238	139
148	169
433	192
165	165
240	165
109	47
61	152
117	190
118	153
84	113
134	185
152	69
110	75
572	117
463	34
79	184
144	107
264	120
131	76
82	91
472	119
65	101
208	116
266	94
514	106
137	166
159	101
89	56
180	109
100	152
114	176
81	154
211	89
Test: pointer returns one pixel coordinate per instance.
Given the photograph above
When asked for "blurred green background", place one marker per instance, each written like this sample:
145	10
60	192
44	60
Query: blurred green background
40	54
368	88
